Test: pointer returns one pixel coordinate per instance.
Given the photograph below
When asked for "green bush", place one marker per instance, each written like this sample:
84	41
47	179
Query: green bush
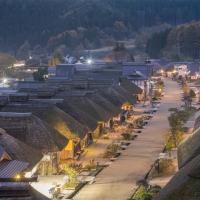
192	94
111	150
143	194
127	136
72	177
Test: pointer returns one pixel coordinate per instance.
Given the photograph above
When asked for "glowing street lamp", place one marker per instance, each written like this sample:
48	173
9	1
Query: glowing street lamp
5	80
89	61
18	177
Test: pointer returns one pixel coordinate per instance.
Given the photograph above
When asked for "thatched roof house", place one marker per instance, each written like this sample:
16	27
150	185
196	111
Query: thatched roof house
128	96
185	184
17	150
93	107
53	117
105	104
118	94
87	105
33	131
130	87
63	123
115	95
81	116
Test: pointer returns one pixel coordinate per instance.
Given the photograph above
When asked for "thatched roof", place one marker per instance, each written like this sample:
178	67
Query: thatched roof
55	118
105	103
185	184
18	150
85	104
114	95
34	132
111	95
119	94
81	116
102	112
131	87
82	105
128	96
189	148
63	123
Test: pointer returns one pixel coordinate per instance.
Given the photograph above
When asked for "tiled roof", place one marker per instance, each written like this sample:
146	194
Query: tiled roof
9	168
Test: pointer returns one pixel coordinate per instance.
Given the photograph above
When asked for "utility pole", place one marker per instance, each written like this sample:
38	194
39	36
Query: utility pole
151	93
145	91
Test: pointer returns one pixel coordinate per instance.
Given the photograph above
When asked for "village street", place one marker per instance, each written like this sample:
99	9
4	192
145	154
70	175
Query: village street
119	180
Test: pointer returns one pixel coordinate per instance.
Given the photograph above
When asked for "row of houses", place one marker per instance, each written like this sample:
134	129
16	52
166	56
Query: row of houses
46	124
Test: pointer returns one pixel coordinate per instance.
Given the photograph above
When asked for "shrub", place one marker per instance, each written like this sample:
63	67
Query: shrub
72	177
111	150
143	194
92	165
127	136
192	94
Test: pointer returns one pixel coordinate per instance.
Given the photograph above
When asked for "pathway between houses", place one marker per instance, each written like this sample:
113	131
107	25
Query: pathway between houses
118	181
96	150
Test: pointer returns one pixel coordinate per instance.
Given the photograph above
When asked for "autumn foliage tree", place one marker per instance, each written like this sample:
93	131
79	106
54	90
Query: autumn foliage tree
176	121
55	60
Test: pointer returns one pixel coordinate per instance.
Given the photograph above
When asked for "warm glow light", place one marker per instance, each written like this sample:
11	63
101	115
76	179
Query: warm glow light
17	176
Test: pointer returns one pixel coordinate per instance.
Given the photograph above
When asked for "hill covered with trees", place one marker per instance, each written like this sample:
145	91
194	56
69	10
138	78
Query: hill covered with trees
180	42
79	24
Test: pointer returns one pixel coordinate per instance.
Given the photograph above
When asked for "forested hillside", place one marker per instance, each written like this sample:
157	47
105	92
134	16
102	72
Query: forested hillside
181	42
85	23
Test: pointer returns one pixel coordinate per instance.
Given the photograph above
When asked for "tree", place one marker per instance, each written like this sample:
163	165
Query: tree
176	121
104	18
175	125
40	74
156	43
56	59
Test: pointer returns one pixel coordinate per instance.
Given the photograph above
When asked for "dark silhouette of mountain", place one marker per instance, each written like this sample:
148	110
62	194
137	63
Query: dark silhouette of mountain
180	42
85	23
